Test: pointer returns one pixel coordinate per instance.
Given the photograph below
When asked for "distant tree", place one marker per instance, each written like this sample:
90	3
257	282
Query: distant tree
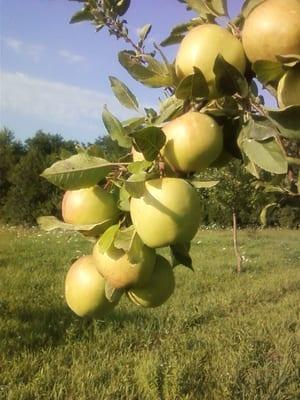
29	195
110	148
11	150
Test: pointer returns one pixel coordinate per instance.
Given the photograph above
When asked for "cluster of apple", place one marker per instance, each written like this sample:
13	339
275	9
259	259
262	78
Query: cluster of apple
167	213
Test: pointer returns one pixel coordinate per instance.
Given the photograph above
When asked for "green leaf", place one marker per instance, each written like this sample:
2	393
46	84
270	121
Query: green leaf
289	60
82	15
249	5
149	141
178	32
259	128
133	123
123	94
144	32
139	166
146	70
199	6
124	238
115	129
218	6
268	71
169	109
265	213
229	80
135	184
192	86
180	255
78	171
106	240
288	121
203	184
123	202
135	252
112	294
267	155
50	223
122	6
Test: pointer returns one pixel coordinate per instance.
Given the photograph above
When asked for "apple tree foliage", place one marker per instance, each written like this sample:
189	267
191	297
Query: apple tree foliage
265	139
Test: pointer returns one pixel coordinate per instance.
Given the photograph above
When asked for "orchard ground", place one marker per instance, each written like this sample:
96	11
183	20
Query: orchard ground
220	336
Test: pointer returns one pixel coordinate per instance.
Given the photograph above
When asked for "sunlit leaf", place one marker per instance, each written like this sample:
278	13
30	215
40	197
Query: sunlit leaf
115	129
78	171
123	94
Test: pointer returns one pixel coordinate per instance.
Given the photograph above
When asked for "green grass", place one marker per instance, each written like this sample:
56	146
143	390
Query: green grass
221	336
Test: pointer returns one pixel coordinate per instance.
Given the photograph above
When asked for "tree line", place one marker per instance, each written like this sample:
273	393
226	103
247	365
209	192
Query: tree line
24	195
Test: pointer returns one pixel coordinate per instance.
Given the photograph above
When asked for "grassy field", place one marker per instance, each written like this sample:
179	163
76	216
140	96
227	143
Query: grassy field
221	336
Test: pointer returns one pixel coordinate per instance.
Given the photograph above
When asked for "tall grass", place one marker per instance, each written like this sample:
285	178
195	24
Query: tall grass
221	336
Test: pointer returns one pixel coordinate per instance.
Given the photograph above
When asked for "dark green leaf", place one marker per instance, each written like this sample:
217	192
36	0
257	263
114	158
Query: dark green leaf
178	32
115	129
180	255
123	94
287	121
149	141
268	71
82	15
112	294
267	155
229	80
266	212
106	240
192	86
122	6
78	171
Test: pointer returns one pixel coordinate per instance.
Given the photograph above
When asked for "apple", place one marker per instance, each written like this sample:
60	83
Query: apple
115	267
167	213
85	289
90	205
194	141
159	288
288	90
201	46
271	29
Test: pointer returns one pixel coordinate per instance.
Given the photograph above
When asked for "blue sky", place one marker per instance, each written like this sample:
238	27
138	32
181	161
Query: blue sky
54	76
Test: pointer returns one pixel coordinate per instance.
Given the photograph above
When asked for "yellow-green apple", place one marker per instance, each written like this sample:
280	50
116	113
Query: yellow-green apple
159	288
85	289
272	29
167	213
90	205
194	141
201	46
288	90
115	266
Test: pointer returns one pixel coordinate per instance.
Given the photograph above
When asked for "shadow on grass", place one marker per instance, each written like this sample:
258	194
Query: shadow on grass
35	328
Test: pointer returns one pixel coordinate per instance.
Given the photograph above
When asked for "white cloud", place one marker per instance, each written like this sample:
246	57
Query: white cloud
31	50
71	58
66	105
